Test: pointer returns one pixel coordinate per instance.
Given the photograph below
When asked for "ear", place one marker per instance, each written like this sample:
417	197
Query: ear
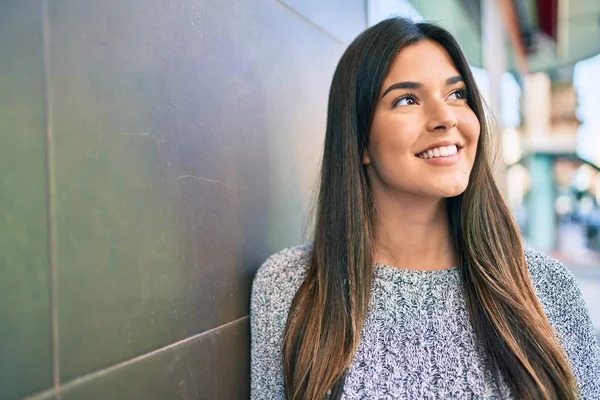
366	159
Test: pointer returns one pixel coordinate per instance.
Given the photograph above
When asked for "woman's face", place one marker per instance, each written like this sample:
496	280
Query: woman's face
424	135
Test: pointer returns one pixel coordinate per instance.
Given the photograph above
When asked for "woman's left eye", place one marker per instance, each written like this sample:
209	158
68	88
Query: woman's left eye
458	95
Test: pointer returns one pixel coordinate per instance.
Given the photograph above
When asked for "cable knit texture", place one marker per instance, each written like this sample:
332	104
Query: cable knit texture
417	341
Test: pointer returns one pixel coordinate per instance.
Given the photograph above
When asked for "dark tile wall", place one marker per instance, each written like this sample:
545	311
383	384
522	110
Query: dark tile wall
181	144
25	311
209	366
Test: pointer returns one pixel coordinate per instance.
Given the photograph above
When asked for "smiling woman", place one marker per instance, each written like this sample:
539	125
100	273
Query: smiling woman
416	283
421	121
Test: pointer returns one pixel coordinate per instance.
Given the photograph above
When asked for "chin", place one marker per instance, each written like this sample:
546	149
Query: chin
454	194
452	191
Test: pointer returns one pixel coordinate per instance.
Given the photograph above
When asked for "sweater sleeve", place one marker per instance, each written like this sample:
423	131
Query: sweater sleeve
266	368
567	311
273	289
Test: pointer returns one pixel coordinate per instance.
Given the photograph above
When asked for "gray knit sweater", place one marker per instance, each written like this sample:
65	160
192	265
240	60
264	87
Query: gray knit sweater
417	341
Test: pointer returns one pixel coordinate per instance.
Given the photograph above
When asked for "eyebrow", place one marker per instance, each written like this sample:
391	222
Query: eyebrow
417	85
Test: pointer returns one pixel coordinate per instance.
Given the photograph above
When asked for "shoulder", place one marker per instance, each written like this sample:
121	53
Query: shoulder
280	276
554	285
565	307
287	266
546	271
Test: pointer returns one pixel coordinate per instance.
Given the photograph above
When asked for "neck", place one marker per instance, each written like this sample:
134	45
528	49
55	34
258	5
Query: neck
413	233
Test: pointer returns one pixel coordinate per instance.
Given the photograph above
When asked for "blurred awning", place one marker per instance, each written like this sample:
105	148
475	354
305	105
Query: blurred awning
563	31
547	33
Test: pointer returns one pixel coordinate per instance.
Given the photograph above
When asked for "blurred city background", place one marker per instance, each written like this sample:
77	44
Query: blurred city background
154	153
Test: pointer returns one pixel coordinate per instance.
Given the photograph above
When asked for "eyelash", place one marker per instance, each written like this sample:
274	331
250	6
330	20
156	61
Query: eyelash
462	92
405	96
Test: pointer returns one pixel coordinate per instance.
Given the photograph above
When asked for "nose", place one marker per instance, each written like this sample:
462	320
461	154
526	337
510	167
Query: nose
441	117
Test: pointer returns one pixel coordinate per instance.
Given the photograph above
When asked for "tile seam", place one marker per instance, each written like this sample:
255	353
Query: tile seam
48	136
94	374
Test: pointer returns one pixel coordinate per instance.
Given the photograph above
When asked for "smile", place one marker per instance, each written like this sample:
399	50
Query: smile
437	152
440	157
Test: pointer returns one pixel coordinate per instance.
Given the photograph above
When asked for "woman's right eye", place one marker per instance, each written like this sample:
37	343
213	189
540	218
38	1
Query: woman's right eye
404	101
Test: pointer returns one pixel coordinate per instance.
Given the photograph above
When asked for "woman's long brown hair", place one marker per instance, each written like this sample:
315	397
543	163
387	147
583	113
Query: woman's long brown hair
326	317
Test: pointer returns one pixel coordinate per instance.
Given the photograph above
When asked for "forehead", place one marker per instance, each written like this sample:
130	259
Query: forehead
426	62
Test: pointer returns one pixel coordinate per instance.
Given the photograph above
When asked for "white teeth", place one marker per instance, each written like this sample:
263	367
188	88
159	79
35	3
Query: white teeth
442	151
452	149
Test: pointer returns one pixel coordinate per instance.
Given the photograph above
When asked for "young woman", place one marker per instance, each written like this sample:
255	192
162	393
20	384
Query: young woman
416	284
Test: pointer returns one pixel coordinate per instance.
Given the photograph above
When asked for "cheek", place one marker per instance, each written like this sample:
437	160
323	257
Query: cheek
392	135
469	128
